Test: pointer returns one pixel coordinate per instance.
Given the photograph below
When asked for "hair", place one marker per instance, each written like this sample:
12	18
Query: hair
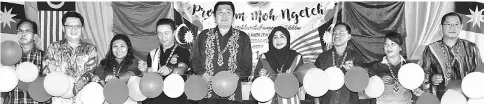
450	14
395	37
72	14
223	3
166	21
34	25
344	24
273	32
110	59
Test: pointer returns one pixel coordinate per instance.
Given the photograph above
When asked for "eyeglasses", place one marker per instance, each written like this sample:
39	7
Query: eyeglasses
70	27
24	31
450	25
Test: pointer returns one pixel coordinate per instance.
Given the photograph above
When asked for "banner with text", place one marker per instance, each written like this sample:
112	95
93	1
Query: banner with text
257	19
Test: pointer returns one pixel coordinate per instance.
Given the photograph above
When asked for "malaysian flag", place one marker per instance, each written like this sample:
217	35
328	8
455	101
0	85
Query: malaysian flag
472	14
50	18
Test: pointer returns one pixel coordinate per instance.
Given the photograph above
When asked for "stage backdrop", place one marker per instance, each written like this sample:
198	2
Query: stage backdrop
257	19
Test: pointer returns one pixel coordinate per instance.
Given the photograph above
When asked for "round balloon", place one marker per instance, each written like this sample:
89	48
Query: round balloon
473	85
336	78
134	89
56	83
411	76
70	91
302	70
476	101
286	85
23	86
174	86
453	97
11	52
316	82
27	71
455	85
375	87
151	85
196	88
116	91
8	79
92	93
37	91
428	98
356	79
224	83
262	89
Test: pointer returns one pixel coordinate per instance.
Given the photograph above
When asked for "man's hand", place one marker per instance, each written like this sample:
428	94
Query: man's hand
142	66
348	65
437	79
164	70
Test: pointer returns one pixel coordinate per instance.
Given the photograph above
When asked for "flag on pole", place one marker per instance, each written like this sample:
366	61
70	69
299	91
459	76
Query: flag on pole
472	14
50	18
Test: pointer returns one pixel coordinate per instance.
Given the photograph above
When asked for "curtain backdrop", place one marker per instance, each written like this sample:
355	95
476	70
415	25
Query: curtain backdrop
370	21
138	20
423	25
98	20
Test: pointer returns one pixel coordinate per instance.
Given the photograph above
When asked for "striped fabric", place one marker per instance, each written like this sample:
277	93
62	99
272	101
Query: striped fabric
309	45
50	27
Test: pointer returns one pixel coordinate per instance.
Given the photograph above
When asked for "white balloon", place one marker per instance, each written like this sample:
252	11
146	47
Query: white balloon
8	79
27	72
70	93
56	83
375	87
92	93
262	89
453	97
336	78
316	82
134	90
174	86
473	85
411	76
476	101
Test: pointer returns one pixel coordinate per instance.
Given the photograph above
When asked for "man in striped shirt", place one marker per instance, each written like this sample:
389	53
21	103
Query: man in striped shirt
27	35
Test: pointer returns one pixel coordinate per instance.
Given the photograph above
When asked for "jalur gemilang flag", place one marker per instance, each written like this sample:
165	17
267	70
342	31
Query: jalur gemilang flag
472	14
11	14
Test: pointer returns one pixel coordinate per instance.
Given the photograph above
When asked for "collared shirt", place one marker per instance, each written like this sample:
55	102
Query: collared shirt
180	55
330	58
453	63
77	62
215	52
18	96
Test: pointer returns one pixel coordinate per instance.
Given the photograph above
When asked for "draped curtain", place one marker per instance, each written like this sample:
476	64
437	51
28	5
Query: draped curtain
423	25
370	21
98	21
138	20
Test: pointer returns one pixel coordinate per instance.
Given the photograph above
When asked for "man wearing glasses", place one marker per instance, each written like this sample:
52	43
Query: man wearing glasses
450	58
27	35
72	56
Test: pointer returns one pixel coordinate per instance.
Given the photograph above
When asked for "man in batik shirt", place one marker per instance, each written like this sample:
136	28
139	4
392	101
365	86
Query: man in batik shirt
450	58
222	48
72	56
27	34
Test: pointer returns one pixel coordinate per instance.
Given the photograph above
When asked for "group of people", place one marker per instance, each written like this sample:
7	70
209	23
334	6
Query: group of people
225	48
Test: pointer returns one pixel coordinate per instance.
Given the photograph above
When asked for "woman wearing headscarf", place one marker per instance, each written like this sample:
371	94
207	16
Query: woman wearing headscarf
279	59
